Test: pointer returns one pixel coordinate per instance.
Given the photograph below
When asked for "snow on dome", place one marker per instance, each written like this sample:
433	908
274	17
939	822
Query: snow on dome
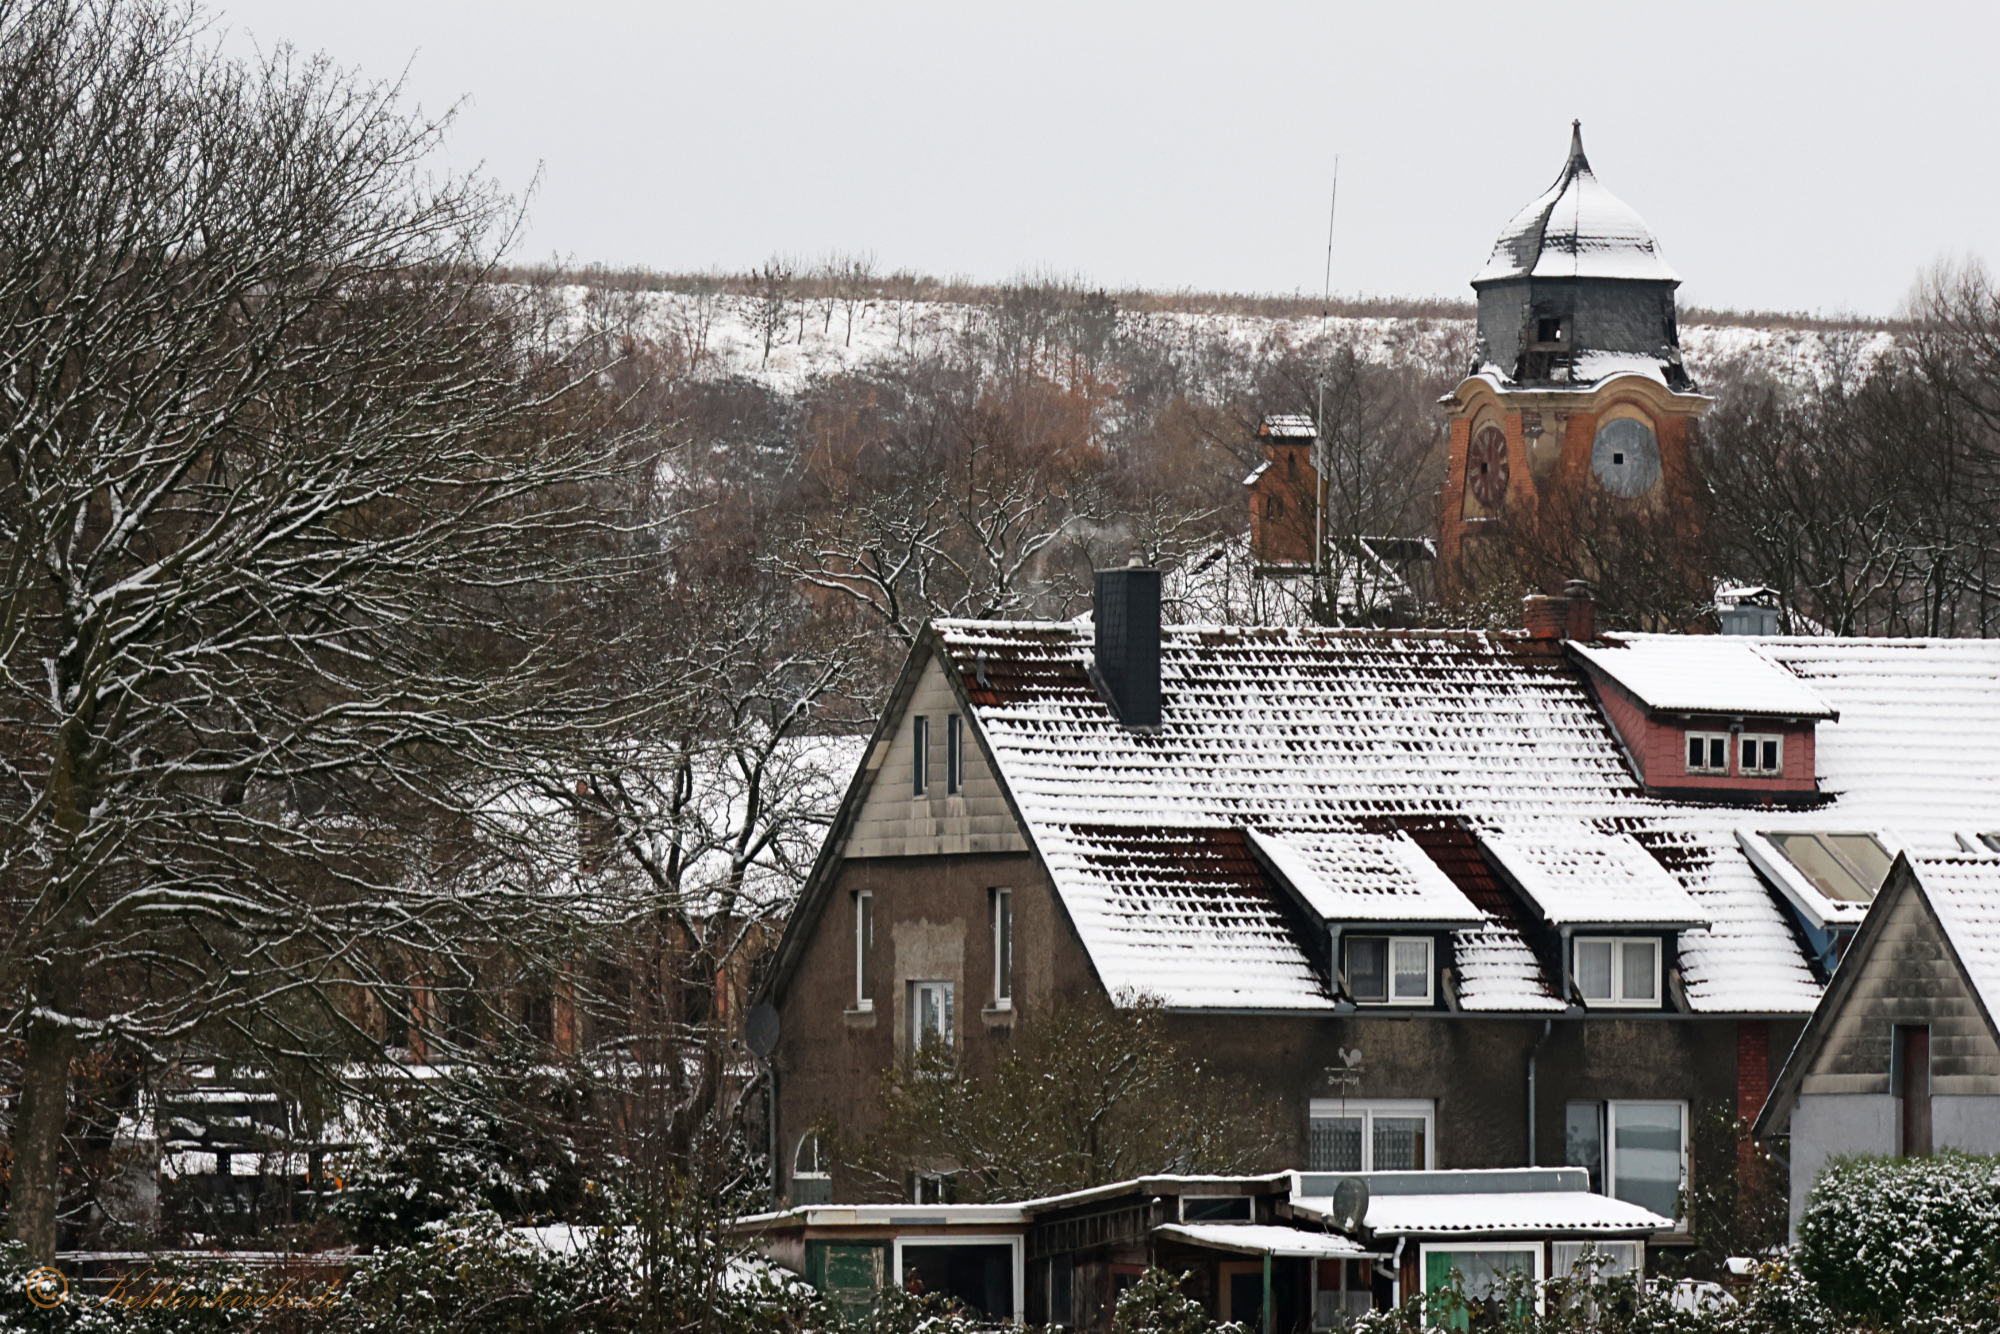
1577	229
1704	674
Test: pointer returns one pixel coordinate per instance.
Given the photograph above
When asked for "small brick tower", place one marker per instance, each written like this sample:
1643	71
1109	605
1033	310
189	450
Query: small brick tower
1284	494
1576	379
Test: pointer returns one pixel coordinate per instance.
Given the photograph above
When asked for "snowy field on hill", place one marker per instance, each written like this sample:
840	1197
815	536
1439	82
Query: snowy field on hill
721	334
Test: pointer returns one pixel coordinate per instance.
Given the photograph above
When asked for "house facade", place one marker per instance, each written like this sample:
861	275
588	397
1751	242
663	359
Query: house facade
1902	1058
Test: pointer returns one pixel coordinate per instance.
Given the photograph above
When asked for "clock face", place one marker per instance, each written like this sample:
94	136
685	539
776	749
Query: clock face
1626	457
1486	467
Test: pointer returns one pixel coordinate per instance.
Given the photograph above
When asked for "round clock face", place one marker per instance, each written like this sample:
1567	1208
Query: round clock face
1486	467
1626	457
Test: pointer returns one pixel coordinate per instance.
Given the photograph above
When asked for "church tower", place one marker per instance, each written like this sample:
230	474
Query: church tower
1576	384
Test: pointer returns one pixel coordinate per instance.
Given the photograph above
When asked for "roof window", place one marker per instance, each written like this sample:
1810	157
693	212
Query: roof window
1847	868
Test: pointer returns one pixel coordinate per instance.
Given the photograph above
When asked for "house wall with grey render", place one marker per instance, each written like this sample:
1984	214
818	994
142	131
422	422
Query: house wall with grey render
1833	1125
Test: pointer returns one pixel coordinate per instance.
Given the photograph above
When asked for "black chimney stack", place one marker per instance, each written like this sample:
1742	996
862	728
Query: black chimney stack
1126	613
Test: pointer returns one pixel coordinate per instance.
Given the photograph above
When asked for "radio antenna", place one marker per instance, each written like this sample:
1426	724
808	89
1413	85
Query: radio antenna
1319	405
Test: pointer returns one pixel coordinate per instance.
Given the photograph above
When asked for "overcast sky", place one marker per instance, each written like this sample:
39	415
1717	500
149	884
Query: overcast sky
1788	156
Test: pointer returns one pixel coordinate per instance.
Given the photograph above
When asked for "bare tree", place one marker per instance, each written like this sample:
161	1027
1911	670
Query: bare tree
281	483
771	308
856	288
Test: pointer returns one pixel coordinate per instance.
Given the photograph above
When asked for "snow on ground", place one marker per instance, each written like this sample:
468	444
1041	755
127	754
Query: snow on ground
720	331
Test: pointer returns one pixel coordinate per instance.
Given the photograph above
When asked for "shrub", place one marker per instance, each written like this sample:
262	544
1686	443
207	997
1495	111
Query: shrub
1156	1305
1898	1241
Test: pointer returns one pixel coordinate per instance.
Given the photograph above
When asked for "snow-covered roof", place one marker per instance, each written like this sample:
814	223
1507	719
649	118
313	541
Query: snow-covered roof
1964	892
1266	1239
1704	674
1577	229
1345	876
1573	1213
1577	875
1289	425
1338	748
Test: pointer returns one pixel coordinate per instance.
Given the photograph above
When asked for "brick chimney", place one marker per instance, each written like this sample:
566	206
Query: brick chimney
1125	611
1571	616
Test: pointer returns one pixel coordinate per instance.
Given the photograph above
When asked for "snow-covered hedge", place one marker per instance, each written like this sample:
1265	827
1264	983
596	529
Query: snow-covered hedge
1898	1241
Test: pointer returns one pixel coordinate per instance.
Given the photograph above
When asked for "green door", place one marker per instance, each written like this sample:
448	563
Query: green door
847	1274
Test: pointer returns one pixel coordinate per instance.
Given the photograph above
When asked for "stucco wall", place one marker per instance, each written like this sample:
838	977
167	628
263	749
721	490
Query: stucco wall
1829	1125
894	822
1969	1124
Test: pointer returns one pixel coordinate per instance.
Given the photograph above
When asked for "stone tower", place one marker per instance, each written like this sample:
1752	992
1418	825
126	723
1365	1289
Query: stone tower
1576	379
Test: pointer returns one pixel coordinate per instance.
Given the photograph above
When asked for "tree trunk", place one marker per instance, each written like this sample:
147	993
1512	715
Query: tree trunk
38	1132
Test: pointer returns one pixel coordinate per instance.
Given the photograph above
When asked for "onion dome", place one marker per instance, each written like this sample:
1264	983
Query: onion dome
1577	229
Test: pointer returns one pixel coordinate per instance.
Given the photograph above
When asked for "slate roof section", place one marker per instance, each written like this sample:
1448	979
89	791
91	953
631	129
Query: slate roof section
1577	229
1704	674
1328	738
1964	892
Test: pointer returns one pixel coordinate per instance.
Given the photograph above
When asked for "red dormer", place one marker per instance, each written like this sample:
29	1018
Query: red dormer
1707	716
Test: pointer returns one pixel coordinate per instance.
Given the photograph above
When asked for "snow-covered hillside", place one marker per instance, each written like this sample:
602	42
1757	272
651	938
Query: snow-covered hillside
722	333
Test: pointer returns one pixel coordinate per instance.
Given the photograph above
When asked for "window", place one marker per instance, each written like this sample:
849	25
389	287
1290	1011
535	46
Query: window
1215	1208
1647	1165
1389	970
1847	868
930	1016
1760	756
983	1274
864	940
1485	1272
1617	972
1708	752
1635	1151
920	756
1910	1076
954	755
1583	1141
1003	949
812	1176
1352	1135
1548	329
1611	1259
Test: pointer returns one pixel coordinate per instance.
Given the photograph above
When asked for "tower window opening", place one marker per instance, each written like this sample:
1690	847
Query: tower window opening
1548	330
1618	458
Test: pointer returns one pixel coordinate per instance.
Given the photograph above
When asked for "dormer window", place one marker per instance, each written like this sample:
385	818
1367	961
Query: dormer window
1708	752
1610	971
1761	756
1389	970
1847	868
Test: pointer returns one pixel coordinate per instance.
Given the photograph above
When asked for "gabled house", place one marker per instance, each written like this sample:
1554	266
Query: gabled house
1902	1057
1416	888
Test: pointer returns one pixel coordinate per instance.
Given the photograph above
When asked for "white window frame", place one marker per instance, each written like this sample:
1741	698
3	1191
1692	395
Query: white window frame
1250	1208
954	754
864	936
1611	1107
1389	970
1603	1245
1017	1244
1760	739
1003	948
1367	1109
1424	1250
920	755
1708	740
1617	999
950	1036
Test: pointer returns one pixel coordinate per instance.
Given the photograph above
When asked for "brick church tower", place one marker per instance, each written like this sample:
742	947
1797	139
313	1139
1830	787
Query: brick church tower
1576	379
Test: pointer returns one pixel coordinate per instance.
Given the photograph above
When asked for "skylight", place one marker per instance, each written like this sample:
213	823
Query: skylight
1847	868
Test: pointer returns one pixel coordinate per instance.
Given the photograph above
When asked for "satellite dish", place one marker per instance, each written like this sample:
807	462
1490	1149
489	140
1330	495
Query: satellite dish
760	1029
1350	1203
